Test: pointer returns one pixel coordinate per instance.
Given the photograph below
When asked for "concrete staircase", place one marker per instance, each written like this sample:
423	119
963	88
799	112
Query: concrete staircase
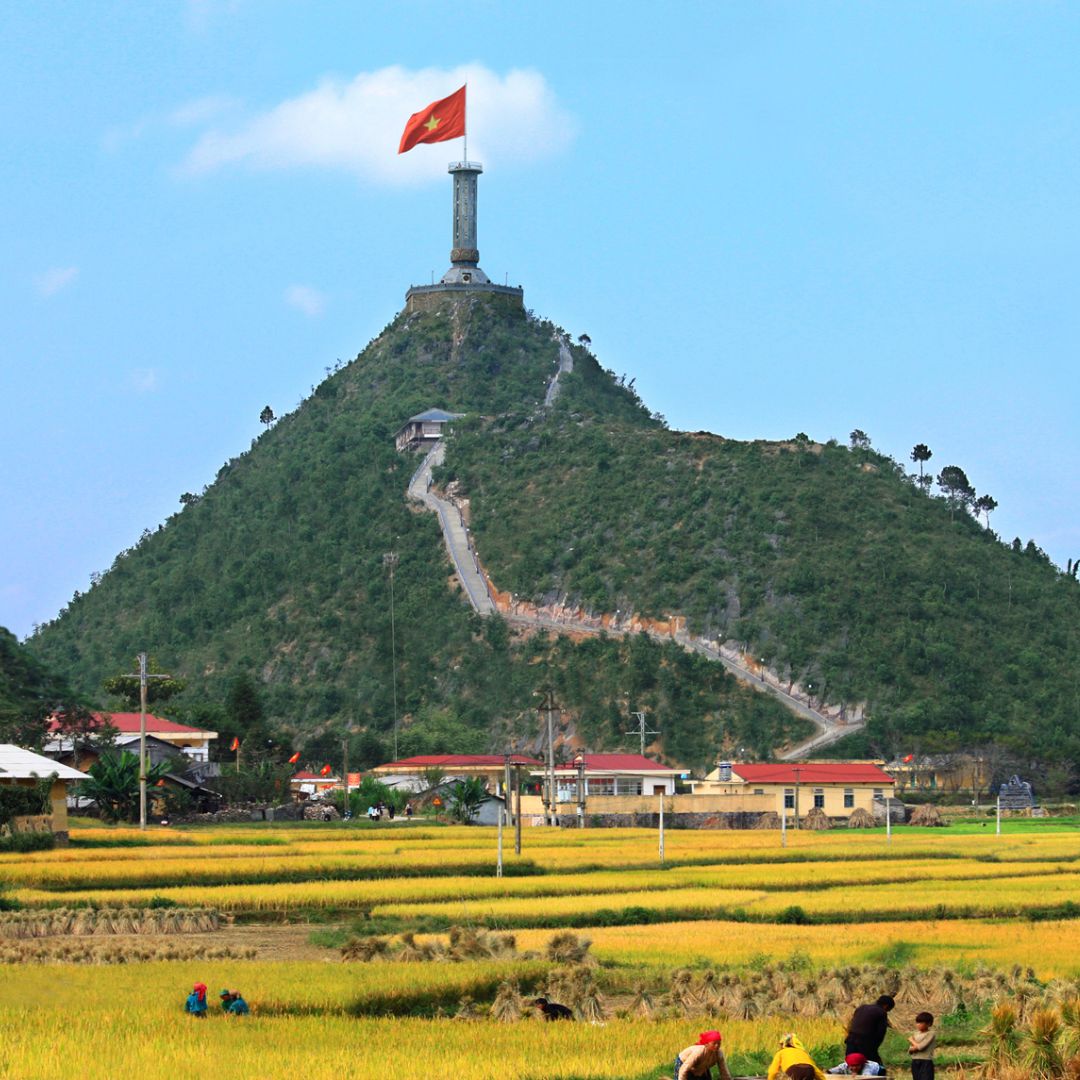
474	583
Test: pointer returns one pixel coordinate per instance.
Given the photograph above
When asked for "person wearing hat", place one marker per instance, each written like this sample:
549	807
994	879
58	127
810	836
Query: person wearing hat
857	1065
233	1003
196	1002
696	1062
793	1061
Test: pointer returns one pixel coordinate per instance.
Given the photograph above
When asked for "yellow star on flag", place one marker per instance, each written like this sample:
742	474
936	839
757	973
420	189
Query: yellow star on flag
433	122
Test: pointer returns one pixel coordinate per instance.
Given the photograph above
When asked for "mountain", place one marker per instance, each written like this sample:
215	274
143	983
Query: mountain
829	563
276	571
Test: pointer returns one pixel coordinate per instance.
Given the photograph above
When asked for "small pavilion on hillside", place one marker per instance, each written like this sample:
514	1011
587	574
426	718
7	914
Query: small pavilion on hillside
424	430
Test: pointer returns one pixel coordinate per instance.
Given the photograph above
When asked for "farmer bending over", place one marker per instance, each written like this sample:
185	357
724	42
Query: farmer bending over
697	1061
233	1003
552	1010
793	1061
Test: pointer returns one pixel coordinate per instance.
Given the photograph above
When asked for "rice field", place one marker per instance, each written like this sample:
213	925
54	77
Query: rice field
959	899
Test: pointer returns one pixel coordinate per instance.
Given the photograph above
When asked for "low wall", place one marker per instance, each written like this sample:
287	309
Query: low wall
739	819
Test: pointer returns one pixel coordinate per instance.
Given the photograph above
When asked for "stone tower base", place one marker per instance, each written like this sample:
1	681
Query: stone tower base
430	297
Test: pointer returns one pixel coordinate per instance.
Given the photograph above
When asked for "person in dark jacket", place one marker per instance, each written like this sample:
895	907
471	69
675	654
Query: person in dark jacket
867	1028
552	1010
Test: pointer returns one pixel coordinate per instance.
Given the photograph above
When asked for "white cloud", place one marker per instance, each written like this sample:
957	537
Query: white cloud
306	299
52	281
356	125
144	380
195	113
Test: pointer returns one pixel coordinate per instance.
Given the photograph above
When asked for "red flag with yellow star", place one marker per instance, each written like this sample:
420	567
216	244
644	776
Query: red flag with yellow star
440	121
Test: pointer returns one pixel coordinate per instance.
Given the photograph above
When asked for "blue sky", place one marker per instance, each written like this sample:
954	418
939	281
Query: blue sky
778	217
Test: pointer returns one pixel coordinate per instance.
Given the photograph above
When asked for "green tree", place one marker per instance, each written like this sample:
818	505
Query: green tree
859	440
959	493
920	452
158	691
986	505
245	720
266	416
114	784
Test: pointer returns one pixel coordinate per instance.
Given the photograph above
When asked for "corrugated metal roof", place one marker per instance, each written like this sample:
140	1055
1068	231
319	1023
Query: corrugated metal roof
457	761
812	773
440	415
618	763
19	764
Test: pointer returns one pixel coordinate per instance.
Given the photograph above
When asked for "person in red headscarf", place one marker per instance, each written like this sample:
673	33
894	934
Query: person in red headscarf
196	1001
696	1062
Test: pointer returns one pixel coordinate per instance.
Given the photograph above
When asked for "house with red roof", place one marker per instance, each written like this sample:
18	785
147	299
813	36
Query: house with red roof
192	742
795	788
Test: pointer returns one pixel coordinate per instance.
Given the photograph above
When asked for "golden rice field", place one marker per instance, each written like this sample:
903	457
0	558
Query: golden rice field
957	898
132	1025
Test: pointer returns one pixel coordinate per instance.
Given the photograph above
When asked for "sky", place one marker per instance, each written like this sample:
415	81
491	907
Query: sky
777	217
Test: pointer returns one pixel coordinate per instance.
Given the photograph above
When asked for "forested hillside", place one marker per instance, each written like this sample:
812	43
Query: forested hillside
276	572
828	562
29	692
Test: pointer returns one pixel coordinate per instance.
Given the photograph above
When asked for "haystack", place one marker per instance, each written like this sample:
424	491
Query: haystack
861	819
817	820
927	816
769	820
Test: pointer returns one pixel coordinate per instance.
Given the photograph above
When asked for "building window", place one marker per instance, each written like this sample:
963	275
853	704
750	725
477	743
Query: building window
879	793
628	785
789	798
819	798
849	798
596	786
759	791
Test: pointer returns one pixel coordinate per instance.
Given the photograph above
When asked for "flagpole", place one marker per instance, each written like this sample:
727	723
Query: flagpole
465	125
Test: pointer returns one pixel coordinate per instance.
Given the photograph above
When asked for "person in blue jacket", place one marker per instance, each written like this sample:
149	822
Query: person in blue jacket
196	1002
233	1003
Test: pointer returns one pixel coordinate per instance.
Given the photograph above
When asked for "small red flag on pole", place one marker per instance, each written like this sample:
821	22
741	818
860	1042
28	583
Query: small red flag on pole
325	770
909	759
295	758
235	744
441	120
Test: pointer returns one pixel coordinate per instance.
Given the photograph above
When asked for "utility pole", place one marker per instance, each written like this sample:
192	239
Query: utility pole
551	800
579	764
390	560
643	729
517	809
143	676
345	761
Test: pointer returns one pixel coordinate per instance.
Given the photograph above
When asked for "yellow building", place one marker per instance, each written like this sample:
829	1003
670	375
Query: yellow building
24	768
838	787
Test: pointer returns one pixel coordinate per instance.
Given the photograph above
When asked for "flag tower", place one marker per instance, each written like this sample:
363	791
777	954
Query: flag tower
443	120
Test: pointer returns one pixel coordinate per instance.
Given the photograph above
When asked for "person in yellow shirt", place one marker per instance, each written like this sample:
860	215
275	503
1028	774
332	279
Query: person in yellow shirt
793	1062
